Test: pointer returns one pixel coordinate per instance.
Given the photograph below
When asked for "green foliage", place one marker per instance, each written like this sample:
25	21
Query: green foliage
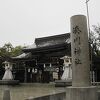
6	50
8	47
9	51
17	51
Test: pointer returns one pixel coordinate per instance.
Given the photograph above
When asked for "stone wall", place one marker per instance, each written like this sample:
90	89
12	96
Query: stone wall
58	96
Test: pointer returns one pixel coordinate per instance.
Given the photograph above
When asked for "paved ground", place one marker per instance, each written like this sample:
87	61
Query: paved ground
30	90
23	91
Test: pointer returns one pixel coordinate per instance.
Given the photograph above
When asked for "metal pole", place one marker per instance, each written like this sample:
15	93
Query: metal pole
87	8
88	19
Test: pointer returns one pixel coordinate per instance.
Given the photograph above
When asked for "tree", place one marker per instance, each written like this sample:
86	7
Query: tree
17	51
8	50
95	39
8	47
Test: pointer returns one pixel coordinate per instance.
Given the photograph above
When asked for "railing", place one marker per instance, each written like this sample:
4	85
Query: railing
95	83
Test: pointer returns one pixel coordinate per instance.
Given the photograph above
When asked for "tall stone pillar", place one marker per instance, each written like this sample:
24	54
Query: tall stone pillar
81	88
80	51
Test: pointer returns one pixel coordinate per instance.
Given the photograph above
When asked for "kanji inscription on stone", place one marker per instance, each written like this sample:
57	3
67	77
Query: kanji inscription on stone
77	41
76	30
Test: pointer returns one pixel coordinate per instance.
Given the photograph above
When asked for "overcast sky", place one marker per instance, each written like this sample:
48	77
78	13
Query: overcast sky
21	21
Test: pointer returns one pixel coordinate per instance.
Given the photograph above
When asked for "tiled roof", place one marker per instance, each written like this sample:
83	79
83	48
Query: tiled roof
50	41
23	55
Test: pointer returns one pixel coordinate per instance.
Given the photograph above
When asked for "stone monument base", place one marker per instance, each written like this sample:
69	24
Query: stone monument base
63	83
9	82
81	93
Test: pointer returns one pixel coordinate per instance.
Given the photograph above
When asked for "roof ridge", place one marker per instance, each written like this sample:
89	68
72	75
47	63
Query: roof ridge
52	36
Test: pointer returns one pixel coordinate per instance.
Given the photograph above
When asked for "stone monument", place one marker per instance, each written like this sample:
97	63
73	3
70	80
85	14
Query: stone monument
8	74
8	77
66	79
67	74
81	87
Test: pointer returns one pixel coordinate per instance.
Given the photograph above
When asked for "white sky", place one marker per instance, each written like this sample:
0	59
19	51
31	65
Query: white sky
21	21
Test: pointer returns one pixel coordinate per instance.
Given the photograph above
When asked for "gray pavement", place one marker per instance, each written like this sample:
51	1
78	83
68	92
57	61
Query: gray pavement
24	91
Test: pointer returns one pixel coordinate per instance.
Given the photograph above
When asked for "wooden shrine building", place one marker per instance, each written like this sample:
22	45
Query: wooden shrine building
41	61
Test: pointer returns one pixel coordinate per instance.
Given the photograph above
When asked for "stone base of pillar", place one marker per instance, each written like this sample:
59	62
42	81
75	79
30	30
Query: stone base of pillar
81	93
63	83
6	95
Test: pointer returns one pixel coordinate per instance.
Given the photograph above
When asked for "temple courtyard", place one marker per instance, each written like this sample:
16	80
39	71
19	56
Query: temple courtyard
26	90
